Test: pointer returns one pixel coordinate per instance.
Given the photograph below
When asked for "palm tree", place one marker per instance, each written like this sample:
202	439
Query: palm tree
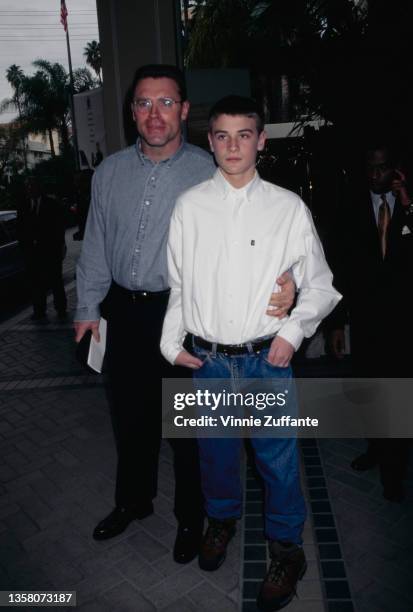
83	80
15	76
49	97
94	58
37	108
43	99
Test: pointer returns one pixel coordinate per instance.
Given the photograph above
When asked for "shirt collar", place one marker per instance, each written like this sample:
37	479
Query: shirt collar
377	201
169	161
225	188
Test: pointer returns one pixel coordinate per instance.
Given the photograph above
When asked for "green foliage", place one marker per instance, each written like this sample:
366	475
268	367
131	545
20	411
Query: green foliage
43	99
11	157
217	34
93	56
229	33
57	174
340	60
83	80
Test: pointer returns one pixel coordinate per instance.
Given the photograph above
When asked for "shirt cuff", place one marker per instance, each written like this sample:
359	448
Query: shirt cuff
87	314
171	353
293	333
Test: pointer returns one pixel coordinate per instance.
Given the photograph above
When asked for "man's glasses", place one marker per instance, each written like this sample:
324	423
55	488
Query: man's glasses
144	105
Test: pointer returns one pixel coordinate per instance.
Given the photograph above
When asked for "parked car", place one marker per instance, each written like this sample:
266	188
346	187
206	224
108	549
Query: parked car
11	260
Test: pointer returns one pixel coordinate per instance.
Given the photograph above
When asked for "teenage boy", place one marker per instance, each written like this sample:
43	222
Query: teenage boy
229	238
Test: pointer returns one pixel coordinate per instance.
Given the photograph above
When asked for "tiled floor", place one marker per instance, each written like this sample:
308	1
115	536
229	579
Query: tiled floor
376	536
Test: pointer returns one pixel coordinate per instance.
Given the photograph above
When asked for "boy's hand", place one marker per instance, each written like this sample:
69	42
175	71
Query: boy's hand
281	302
187	360
281	352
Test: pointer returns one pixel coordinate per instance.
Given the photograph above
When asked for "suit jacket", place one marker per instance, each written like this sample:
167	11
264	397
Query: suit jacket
376	291
42	232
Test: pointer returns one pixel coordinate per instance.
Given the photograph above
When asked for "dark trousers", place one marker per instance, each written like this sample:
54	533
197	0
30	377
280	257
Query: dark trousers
45	272
392	455
368	345
135	371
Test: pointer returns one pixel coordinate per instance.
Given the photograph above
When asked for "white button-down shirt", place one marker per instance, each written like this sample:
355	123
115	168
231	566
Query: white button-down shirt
226	249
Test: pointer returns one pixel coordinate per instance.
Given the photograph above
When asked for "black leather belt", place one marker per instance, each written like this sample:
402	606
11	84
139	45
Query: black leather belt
233	349
139	295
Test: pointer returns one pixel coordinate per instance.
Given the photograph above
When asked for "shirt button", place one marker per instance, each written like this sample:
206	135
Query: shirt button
133	273
142	226
152	178
147	203
137	250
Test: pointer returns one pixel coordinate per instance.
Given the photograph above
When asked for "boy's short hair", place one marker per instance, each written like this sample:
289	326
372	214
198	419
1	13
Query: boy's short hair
158	71
237	105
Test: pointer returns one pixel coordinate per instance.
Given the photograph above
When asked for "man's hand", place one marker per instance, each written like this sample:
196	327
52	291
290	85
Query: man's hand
398	188
187	360
336	343
281	302
281	352
81	328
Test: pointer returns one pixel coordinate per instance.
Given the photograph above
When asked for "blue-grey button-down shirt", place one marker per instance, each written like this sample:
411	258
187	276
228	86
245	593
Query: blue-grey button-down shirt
128	222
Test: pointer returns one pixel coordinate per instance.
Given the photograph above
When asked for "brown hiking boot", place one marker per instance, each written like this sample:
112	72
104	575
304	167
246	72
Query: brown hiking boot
214	543
287	566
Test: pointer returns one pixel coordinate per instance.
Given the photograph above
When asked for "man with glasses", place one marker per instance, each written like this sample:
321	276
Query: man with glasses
124	258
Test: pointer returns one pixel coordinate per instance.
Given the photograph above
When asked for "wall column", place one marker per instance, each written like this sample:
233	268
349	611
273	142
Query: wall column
132	33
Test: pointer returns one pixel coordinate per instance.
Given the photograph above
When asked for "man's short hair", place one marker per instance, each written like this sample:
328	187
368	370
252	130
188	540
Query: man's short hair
237	105
158	71
388	147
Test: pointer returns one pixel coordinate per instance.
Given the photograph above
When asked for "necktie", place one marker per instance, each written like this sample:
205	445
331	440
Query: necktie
383	224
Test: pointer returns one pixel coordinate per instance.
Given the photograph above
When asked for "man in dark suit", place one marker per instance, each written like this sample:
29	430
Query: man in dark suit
373	261
41	235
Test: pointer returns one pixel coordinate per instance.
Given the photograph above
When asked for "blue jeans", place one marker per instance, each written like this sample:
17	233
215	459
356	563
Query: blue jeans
276	458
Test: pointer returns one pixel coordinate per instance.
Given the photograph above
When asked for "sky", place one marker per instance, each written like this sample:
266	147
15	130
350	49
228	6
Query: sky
32	30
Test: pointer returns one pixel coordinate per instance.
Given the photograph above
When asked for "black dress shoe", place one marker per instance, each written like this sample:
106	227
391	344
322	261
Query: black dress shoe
364	462
394	491
117	521
187	543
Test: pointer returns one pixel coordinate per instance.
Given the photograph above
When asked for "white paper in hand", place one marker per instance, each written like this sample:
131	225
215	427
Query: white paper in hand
97	349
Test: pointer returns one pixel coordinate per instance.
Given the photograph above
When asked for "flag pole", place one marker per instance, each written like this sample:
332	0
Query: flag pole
72	105
64	14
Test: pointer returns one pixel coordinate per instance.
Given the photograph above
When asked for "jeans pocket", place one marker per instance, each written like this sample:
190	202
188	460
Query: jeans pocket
275	367
267	363
202	354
